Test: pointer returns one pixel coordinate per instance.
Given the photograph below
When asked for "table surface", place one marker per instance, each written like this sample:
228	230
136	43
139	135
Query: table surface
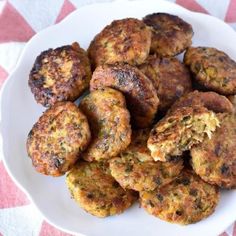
16	211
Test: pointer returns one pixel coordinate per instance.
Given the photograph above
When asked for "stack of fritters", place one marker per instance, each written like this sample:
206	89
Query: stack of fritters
143	130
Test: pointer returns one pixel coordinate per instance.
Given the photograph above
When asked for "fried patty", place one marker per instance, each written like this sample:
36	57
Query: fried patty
110	124
180	130
212	68
214	160
141	97
170	77
60	74
186	200
137	170
96	191
211	100
57	139
127	40
170	34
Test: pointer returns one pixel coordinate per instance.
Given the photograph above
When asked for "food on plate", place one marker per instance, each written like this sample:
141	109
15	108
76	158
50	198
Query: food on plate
170	77
135	168
57	139
96	191
109	121
186	200
214	160
170	34
60	74
212	68
140	94
180	130
127	40
211	100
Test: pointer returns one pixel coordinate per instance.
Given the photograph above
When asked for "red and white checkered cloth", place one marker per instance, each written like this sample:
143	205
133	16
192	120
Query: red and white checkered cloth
19	21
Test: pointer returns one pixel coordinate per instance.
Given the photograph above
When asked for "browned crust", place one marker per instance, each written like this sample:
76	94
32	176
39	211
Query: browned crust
170	77
110	124
170	34
212	68
186	200
210	100
58	138
127	40
139	92
60	74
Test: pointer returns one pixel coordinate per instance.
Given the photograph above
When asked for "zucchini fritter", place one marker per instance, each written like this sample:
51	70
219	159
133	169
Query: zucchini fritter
170	77
96	191
58	138
109	121
212	68
140	94
170	34
186	200
211	100
127	40
180	130
137	170
214	160
60	74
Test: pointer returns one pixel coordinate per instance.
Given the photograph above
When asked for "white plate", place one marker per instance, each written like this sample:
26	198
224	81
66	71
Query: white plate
19	112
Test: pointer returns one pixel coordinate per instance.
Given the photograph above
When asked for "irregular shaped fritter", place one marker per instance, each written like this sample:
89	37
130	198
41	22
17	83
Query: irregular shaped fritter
211	100
96	191
170	34
232	99
170	77
60	74
57	139
137	170
127	40
212	68
214	160
186	200
109	121
180	130
140	94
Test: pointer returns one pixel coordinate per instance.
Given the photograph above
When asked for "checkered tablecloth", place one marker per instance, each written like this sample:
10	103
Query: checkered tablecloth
19	21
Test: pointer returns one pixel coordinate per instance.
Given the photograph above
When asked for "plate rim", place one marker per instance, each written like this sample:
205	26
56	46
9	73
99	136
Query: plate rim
10	77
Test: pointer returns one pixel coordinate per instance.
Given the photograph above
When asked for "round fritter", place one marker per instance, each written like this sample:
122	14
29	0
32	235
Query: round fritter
109	121
186	200
170	78
60	74
180	130
137	170
212	68
214	160
127	40
96	191
211	100
141	97
170	34
56	141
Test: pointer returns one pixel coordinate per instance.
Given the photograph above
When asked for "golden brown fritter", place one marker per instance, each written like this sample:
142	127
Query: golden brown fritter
211	100
137	170
169	76
186	200
170	34
60	74
57	139
214	160
110	124
180	130
139	92
96	191
127	40
212	68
